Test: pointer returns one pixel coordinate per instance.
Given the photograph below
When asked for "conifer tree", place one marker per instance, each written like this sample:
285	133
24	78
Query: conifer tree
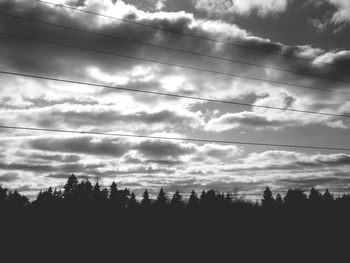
315	198
96	194
132	204
268	200
146	202
279	201
162	200
113	196
177	202
193	201
328	197
70	192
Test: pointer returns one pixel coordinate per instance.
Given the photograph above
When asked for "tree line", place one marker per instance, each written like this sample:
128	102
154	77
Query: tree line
84	194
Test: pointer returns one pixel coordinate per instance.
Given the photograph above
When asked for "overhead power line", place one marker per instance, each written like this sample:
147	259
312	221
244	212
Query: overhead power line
174	138
168	64
170	94
189	34
170	48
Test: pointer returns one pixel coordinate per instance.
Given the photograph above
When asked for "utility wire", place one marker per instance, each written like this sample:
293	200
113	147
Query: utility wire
167	63
170	48
174	138
189	34
170	94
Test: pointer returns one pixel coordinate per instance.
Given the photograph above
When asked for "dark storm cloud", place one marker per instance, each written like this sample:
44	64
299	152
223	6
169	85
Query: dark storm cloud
45	59
26	167
145	170
131	172
335	181
164	149
283	160
106	116
51	157
166	162
59	175
113	147
41	168
9	177
85	145
27	57
132	160
45	102
338	160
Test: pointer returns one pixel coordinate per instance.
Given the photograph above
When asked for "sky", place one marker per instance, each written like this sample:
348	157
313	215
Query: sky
315	31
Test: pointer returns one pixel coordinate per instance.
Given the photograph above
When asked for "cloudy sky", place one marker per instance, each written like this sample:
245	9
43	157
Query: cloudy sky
316	31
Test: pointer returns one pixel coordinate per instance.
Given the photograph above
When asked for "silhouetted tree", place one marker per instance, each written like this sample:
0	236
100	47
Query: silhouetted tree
278	201
295	198
193	202
118	198
122	198
343	202
162	200
315	198
133	204
328	197
84	189
96	195
104	195
70	192
17	201
84	194
202	198
220	199
208	199
228	199
177	202
268	201
3	196
58	196
113	196
146	202
46	199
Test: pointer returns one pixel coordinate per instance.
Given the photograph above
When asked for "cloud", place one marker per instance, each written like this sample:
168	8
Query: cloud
9	177
319	24
271	119
220	152
342	15
84	145
132	171
286	160
231	121
339	14
47	167
164	149
341	58
160	4
42	157
109	116
242	7
26	167
59	175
